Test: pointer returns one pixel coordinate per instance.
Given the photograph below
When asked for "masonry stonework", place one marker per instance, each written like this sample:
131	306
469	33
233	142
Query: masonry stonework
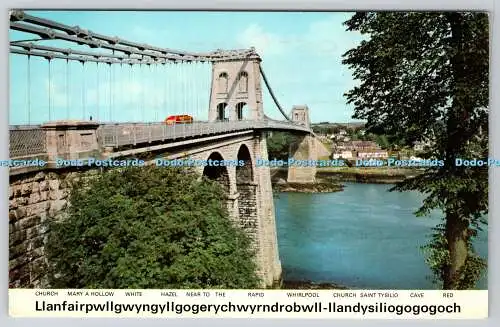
34	198
38	196
250	202
267	216
304	149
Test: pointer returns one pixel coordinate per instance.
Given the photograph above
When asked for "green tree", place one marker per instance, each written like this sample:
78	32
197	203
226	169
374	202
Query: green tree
148	227
424	76
382	141
278	145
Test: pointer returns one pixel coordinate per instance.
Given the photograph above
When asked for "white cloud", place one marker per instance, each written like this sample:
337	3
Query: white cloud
305	66
325	37
322	37
264	42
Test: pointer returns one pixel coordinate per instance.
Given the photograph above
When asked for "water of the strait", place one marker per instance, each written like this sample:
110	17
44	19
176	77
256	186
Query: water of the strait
363	237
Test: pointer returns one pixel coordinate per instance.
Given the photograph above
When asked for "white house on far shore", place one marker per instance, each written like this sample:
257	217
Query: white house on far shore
346	154
376	154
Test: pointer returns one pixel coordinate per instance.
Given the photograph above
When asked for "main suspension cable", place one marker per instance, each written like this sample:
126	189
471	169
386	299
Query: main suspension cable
272	94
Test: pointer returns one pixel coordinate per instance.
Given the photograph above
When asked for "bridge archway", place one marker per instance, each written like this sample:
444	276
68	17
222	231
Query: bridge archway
222	111
247	190
242	111
219	174
244	174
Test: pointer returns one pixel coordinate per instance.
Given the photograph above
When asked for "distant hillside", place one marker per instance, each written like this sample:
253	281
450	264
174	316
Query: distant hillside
350	125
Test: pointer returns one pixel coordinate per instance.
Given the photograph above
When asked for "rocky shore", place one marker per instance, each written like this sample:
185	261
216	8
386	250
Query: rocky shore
332	176
364	178
308	285
320	186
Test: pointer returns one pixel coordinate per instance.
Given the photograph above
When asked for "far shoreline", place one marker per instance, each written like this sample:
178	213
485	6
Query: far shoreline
371	175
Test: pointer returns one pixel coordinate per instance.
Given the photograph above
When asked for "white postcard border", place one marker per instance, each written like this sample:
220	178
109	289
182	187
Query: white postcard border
494	229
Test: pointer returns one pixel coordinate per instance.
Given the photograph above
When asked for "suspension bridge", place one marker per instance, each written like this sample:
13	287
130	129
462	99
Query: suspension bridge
115	98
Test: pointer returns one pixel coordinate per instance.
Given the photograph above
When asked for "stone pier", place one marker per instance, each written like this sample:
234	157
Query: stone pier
303	149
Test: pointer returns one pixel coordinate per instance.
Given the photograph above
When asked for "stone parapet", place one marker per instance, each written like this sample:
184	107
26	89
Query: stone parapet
71	139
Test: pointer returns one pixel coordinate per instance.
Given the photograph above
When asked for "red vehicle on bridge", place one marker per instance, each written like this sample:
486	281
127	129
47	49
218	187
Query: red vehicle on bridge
178	119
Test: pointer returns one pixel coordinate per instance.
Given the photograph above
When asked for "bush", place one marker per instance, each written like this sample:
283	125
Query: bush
148	227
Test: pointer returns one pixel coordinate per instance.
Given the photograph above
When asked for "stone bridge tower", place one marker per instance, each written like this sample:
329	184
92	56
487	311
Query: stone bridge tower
236	92
304	150
300	115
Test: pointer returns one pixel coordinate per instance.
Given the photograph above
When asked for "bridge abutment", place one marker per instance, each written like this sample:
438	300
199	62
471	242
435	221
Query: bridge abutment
37	194
34	198
303	151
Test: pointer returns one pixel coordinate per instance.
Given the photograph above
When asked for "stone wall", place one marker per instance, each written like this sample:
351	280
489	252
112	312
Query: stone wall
33	199
247	209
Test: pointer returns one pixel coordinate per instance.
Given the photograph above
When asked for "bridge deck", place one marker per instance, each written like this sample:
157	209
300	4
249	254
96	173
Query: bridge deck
131	134
30	140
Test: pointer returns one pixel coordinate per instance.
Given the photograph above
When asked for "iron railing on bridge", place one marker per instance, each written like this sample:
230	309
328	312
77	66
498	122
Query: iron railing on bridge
31	140
116	135
27	140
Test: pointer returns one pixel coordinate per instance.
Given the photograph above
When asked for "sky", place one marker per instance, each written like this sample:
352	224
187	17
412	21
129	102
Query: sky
301	56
